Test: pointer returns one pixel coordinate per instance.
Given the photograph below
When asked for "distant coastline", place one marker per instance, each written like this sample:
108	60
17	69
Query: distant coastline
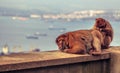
71	16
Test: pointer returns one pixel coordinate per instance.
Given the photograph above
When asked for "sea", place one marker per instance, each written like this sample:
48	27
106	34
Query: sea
29	34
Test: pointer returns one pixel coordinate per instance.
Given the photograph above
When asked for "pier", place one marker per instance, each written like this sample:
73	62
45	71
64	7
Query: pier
59	62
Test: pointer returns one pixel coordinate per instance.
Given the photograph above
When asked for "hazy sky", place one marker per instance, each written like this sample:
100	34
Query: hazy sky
62	5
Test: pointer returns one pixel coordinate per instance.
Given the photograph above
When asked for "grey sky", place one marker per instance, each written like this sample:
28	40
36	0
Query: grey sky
62	5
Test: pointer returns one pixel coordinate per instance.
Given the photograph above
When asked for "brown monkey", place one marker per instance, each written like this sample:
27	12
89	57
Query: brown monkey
80	42
106	29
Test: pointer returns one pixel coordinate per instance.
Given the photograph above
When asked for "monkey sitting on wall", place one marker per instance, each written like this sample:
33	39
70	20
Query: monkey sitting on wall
106	29
80	42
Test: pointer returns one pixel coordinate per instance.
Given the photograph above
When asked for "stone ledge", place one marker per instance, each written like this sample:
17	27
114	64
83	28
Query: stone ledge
42	59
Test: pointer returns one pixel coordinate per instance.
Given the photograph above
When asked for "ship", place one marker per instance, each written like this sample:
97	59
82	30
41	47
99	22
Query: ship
40	34
56	28
32	37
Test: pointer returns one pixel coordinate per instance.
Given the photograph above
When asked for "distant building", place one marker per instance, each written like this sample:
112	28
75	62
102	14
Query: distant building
5	49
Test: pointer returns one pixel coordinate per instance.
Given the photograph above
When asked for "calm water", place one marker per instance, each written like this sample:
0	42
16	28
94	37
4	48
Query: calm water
14	33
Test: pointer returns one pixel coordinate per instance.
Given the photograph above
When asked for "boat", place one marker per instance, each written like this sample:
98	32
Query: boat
62	31
56	28
19	18
32	37
40	34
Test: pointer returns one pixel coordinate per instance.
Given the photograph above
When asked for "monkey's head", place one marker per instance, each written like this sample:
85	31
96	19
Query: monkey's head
100	23
62	42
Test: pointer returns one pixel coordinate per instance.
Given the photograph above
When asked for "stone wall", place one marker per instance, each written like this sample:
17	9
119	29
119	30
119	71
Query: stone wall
115	59
59	62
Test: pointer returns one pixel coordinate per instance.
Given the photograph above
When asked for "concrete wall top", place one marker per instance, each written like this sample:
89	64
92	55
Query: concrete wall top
42	59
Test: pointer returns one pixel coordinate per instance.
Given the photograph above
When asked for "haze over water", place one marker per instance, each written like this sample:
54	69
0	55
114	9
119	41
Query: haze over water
14	32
